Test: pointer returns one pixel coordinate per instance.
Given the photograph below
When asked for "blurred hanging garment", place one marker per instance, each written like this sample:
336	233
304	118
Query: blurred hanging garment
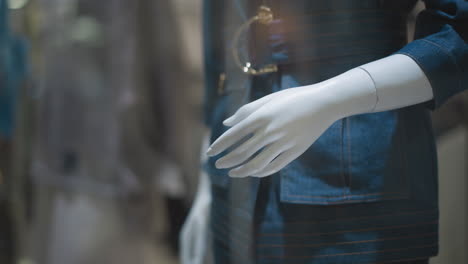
12	72
105	130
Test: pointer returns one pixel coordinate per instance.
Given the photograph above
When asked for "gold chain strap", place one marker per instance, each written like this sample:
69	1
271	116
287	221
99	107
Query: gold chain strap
264	16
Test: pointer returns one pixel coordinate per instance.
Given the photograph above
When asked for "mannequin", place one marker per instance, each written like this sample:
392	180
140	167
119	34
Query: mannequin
369	88
271	135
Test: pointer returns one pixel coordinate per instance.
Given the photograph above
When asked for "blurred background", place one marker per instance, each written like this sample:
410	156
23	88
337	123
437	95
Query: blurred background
100	131
100	149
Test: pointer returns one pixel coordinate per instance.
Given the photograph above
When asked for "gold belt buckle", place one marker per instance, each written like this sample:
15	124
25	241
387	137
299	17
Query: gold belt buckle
265	17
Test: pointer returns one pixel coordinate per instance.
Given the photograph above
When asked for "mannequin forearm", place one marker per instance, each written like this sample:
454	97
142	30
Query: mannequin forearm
399	82
347	94
389	83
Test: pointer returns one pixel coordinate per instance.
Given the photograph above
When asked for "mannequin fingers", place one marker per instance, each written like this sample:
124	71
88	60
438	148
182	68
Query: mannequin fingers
260	161
247	110
233	135
245	151
279	163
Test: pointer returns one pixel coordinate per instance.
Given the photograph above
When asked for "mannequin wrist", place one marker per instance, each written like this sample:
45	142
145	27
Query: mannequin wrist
351	93
389	83
399	82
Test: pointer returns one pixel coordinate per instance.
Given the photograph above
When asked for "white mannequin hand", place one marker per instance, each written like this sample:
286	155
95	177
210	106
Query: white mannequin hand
194	234
284	124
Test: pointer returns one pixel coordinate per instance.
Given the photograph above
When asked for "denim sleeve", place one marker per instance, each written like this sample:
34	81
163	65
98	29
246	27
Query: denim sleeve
440	47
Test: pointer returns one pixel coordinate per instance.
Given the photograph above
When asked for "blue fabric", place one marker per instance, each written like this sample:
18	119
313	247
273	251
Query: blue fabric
441	48
212	48
366	190
12	72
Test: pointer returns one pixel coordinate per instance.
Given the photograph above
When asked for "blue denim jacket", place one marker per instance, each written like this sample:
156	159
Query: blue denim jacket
365	166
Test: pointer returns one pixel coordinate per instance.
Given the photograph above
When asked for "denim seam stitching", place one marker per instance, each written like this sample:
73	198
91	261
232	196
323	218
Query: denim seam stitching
344	196
221	215
220	228
428	234
360	218
241	241
338	196
350	162
349	201
404	158
351	253
435	222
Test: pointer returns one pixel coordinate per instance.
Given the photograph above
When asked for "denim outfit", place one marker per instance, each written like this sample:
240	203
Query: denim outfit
366	190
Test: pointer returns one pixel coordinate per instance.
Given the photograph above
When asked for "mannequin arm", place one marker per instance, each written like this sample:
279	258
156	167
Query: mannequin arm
203	190
284	124
194	237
